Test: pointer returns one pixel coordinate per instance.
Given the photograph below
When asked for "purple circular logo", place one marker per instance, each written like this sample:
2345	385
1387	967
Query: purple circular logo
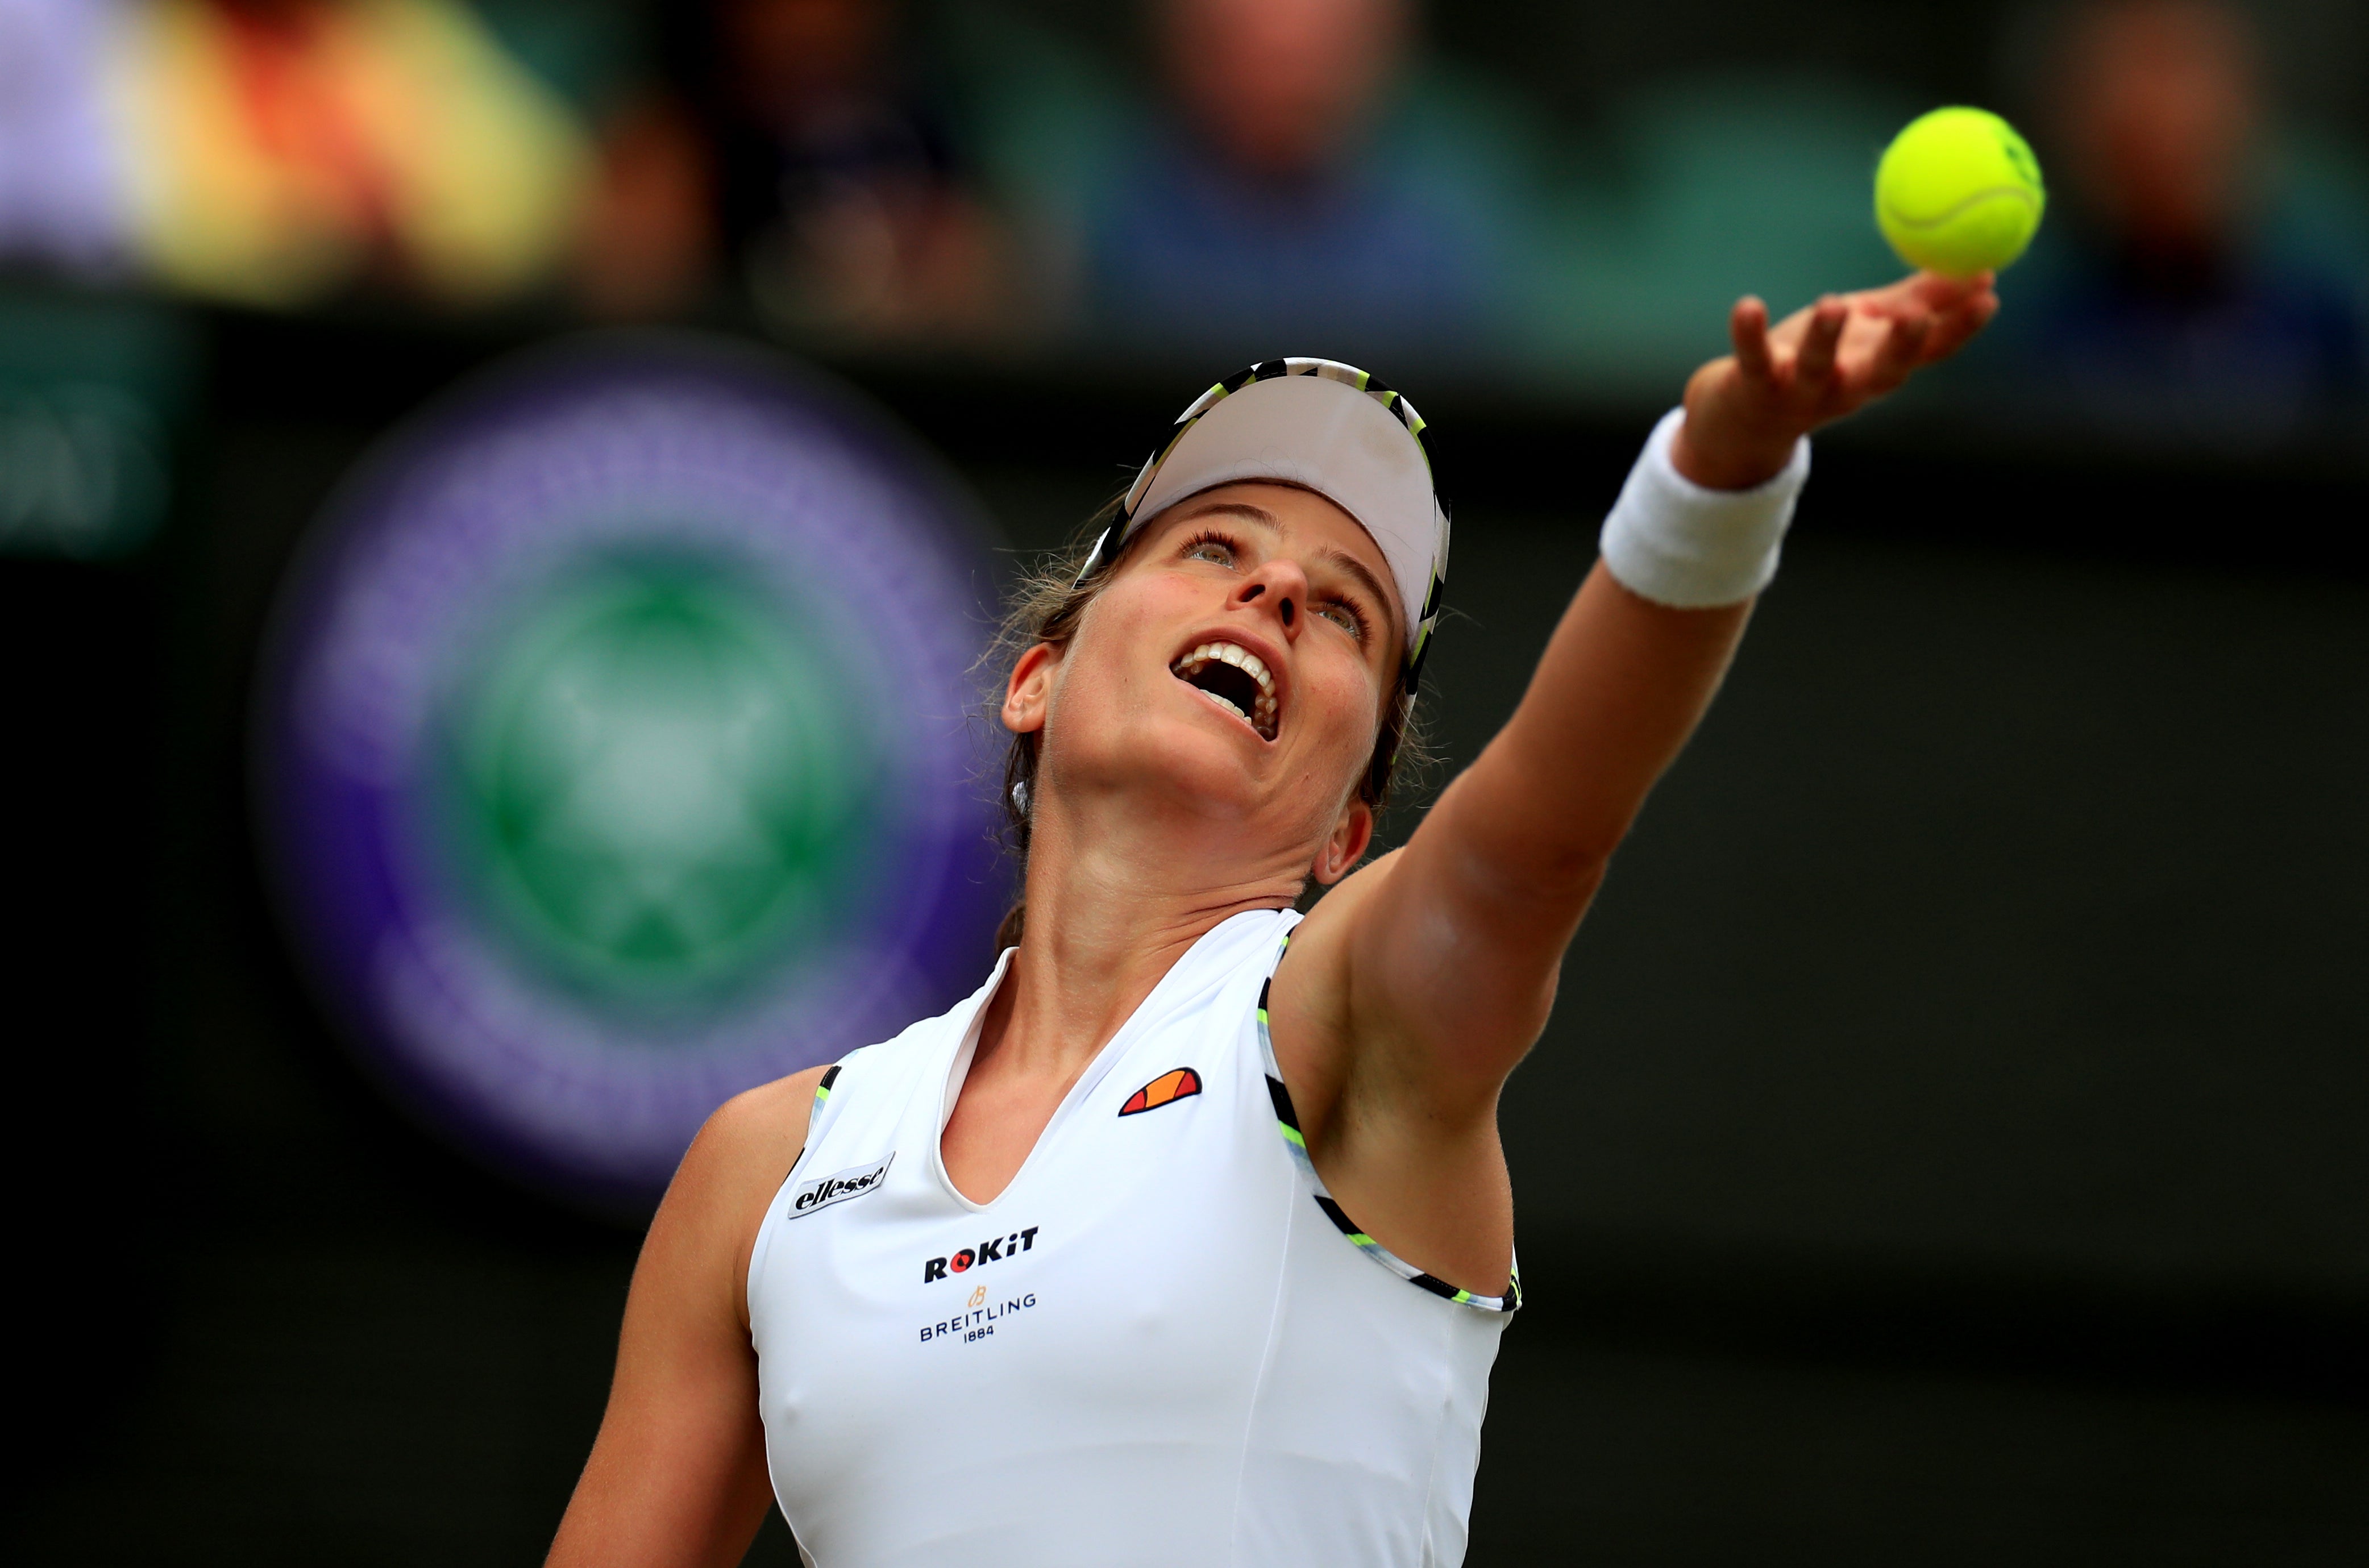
616	752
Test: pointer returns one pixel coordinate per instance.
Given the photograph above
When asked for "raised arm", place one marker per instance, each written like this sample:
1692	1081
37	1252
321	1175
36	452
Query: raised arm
1458	951
1430	973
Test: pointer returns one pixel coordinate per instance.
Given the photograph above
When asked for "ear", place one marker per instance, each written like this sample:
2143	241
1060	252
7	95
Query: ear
1346	846
1028	695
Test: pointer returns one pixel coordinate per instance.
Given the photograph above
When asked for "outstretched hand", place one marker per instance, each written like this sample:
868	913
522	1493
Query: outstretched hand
1746	410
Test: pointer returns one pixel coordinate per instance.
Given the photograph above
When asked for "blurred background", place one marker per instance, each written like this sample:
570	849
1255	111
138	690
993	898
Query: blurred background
1948	1147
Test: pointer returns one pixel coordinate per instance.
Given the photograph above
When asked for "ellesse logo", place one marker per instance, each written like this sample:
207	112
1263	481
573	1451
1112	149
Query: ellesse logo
839	1187
1180	1083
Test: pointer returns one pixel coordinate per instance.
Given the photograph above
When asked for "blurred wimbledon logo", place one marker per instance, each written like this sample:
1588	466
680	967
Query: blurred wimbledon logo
657	786
615	756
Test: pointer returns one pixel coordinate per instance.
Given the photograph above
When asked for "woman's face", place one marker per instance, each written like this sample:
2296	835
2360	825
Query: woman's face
1234	670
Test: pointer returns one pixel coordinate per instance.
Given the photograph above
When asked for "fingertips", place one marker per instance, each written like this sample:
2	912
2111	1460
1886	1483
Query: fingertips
1940	293
1815	361
1978	316
1972	316
1902	347
1747	328
1959	326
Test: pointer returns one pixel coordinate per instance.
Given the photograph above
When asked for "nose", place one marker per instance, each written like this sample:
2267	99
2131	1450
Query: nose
1278	587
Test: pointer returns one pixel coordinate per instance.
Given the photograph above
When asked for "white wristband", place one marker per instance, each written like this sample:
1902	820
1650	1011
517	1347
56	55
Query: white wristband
1675	543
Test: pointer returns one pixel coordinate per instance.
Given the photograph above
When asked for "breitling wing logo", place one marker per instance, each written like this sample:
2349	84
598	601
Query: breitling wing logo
1166	1088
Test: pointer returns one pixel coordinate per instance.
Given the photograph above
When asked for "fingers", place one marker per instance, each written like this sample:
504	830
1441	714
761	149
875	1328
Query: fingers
1931	292
1813	365
1747	328
1901	350
1954	309
1954	330
1920	293
1846	350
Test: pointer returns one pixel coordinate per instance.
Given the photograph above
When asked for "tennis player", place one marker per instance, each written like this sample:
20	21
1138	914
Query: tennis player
1187	1239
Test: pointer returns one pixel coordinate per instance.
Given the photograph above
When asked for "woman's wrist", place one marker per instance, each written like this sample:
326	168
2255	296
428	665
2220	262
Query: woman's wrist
1717	446
1728	462
1677	541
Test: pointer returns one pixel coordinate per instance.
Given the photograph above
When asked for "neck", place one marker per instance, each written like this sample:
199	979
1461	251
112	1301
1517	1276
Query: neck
1115	898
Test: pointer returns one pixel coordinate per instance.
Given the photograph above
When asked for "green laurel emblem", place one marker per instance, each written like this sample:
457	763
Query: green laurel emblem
658	784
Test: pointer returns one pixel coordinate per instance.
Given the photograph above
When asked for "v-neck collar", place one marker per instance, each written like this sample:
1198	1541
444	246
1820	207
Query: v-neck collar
1164	998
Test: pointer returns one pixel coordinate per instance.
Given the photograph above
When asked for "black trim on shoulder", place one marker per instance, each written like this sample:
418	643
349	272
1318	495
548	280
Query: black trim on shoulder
1282	1098
1436	1285
829	1077
1431	1282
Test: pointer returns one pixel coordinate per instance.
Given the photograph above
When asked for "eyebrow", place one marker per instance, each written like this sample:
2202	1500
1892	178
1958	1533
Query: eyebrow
1340	559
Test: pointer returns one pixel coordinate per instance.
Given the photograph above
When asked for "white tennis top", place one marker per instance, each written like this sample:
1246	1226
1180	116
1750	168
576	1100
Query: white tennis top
1162	1343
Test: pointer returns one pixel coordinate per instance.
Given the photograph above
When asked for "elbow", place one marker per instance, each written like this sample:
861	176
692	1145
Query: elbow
1577	868
1558	852
1545	875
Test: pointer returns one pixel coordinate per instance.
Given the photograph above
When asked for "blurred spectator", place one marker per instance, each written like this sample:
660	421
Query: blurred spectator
1311	194
1699	186
61	191
817	158
283	149
1280	91
647	239
2170	302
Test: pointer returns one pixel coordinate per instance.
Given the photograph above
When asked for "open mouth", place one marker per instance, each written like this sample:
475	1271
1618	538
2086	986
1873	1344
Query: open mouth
1236	679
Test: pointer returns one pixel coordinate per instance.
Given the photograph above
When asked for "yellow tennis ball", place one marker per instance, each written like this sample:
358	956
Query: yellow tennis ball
1959	192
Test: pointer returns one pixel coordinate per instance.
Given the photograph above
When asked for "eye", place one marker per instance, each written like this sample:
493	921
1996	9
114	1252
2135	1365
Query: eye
1343	614
1213	547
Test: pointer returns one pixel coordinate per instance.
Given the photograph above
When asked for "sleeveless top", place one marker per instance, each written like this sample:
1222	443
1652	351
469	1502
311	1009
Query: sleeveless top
1162	1343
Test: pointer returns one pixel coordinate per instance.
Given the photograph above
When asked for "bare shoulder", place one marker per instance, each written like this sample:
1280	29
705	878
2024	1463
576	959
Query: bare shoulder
763	1127
678	1472
751	1141
717	1200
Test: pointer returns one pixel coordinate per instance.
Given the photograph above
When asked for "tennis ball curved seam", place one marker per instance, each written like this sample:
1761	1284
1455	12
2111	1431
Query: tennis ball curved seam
1936	156
1966	204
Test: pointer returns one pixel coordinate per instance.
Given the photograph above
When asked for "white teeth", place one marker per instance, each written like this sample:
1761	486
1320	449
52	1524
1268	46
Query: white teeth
1263	711
1225	704
1241	659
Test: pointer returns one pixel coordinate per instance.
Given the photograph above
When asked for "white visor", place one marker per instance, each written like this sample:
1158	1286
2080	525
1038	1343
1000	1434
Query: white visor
1331	429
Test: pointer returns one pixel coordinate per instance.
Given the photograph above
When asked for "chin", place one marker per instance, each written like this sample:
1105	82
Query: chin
1219	773
1173	761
